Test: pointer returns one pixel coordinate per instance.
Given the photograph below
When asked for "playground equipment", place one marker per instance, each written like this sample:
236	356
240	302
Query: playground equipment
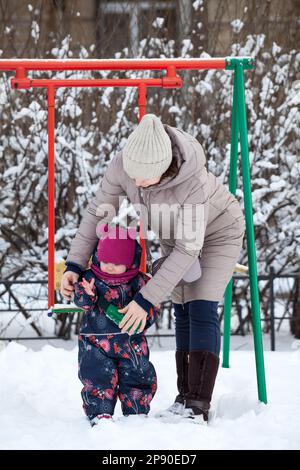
238	65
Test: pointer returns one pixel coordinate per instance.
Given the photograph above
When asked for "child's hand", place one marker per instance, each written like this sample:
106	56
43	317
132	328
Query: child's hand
88	286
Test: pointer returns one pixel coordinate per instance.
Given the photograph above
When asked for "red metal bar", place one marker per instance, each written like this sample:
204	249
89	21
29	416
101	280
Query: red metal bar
113	64
142	99
51	194
164	82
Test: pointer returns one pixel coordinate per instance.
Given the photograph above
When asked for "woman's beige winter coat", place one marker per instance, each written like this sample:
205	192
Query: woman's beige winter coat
207	221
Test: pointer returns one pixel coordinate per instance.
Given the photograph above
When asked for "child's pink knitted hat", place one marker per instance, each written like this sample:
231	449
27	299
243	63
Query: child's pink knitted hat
116	245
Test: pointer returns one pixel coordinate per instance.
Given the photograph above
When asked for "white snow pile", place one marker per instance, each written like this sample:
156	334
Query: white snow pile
40	406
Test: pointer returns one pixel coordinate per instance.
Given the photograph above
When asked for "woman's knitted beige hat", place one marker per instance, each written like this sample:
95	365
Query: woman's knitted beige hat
148	151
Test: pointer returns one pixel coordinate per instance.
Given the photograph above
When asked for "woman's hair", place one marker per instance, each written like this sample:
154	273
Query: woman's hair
172	170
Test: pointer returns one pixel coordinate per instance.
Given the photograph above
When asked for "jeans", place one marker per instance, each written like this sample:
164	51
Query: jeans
197	326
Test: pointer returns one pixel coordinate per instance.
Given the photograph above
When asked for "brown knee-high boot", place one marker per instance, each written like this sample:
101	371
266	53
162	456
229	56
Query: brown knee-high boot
182	365
202	372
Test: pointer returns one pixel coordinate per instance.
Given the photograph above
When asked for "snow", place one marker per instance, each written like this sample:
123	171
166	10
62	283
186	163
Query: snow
275	49
203	87
174	109
40	405
187	46
158	22
197	4
237	25
35	31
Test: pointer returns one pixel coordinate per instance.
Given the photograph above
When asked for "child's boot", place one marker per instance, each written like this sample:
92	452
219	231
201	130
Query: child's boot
203	368
177	408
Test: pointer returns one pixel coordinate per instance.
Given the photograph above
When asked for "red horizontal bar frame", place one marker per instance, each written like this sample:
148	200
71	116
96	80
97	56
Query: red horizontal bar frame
165	82
112	64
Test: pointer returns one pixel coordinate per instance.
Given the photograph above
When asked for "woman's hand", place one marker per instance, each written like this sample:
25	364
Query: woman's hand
88	286
134	315
66	285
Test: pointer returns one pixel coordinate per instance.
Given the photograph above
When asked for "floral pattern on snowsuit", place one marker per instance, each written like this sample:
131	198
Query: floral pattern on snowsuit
112	364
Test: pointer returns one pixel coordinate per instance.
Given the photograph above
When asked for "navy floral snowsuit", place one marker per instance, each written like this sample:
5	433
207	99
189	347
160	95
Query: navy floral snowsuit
113	364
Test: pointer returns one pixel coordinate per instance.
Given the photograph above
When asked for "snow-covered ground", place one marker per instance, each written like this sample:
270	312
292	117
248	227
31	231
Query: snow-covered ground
40	405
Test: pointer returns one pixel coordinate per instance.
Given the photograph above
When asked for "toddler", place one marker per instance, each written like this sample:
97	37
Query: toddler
113	364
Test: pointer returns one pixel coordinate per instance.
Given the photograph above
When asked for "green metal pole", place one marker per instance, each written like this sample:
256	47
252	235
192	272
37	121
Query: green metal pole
258	344
232	189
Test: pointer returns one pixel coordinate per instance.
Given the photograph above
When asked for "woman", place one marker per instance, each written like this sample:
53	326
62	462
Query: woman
193	215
